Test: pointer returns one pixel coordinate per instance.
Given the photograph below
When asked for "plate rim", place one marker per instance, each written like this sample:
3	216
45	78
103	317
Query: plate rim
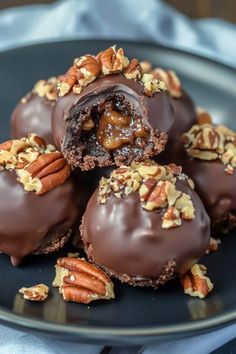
95	332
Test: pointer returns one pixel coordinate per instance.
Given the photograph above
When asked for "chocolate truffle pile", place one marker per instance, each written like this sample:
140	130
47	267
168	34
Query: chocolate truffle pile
110	118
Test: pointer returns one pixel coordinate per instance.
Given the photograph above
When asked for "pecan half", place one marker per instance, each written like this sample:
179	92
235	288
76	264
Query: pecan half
38	166
196	283
88	69
45	173
35	293
112	60
67	81
82	282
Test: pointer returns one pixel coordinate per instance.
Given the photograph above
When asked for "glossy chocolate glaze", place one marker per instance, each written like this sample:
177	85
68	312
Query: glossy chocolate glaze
156	111
33	114
185	118
215	187
121	236
26	219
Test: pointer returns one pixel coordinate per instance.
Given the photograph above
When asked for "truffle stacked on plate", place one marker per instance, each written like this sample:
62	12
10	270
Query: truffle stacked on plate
144	223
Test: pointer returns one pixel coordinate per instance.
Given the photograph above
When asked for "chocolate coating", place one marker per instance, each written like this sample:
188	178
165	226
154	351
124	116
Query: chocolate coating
33	114
185	117
31	223
130	243
216	189
67	119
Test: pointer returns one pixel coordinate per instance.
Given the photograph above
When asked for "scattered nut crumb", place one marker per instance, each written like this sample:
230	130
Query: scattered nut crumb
213	245
35	293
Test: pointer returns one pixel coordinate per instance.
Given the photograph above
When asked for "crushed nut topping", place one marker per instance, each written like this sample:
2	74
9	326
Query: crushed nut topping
113	60
171	80
82	282
195	282
156	186
35	293
212	142
152	85
46	88
39	167
88	68
133	70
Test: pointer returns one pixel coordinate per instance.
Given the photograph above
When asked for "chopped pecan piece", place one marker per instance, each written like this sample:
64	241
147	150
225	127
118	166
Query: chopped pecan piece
213	245
203	117
171	80
88	69
35	293
196	283
133	70
46	88
112	60
82	282
152	85
67	81
156	187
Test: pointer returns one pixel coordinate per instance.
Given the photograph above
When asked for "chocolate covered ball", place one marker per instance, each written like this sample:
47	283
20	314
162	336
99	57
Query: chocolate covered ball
208	156
145	223
34	112
184	111
109	112
39	205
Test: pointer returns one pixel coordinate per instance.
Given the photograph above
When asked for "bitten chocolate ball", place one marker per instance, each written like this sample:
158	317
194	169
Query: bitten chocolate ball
184	111
34	112
145	223
109	112
209	158
39	205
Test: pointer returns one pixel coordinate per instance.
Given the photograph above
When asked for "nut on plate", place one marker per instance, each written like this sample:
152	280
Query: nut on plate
37	292
82	282
195	282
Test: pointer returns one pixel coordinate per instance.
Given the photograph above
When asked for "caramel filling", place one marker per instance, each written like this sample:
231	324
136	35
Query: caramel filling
116	129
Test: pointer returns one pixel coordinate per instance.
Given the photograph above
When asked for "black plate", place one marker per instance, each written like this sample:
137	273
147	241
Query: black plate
137	315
